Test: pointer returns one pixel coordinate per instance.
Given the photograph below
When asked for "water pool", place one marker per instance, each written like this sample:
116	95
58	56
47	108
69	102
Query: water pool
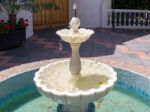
130	94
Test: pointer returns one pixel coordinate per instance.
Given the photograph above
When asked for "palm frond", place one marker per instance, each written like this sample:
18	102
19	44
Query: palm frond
14	6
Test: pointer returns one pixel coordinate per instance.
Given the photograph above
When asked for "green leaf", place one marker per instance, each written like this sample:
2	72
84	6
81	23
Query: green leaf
14	6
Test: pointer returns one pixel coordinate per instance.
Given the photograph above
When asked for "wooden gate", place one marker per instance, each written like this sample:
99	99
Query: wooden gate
51	18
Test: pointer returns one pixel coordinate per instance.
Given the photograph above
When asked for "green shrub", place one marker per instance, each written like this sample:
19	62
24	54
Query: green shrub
131	4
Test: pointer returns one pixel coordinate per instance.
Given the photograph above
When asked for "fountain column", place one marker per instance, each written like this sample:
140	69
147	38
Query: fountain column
75	62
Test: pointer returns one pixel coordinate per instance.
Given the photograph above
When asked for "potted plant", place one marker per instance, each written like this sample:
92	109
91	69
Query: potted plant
12	35
12	8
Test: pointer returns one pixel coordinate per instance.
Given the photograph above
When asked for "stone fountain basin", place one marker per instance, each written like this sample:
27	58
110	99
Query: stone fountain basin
68	36
81	97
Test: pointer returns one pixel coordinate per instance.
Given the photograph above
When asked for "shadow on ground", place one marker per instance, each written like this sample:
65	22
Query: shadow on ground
45	45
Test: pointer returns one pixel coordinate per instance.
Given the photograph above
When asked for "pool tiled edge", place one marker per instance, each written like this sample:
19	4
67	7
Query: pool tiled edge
133	81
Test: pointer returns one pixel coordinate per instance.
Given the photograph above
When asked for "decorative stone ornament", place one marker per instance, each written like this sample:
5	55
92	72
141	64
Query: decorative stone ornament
74	24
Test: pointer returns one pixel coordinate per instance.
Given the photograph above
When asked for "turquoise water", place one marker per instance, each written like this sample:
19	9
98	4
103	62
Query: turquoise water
118	100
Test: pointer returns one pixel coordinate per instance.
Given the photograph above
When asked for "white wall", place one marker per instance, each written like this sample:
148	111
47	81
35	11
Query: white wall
25	15
90	12
108	3
3	16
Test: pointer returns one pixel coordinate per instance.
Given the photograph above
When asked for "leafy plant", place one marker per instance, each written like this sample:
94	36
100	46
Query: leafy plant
131	4
15	6
12	7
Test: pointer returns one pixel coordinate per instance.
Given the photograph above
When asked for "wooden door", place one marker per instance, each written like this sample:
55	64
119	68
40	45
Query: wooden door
51	18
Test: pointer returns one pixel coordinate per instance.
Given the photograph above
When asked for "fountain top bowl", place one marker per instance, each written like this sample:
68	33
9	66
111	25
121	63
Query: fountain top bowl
69	36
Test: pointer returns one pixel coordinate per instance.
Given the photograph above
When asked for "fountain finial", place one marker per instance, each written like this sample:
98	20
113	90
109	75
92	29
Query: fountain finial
75	9
75	22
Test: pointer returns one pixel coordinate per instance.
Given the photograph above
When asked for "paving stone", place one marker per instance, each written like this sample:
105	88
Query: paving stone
123	48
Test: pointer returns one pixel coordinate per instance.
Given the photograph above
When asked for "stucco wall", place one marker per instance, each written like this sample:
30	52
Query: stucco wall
89	12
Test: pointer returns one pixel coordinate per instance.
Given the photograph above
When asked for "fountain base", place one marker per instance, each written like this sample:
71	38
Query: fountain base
73	108
90	107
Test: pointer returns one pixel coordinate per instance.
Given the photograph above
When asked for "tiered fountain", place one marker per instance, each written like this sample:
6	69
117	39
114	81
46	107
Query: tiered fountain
86	80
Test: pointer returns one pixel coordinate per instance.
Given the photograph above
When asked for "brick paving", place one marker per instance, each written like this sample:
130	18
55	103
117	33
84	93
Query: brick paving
128	49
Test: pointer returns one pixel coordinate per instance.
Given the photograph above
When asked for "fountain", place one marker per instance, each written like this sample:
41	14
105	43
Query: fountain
75	83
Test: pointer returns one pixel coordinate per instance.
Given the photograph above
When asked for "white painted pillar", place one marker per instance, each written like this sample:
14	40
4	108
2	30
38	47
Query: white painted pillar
104	19
109	3
27	15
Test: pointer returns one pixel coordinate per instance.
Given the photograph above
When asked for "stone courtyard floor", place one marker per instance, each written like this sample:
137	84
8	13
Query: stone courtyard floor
127	49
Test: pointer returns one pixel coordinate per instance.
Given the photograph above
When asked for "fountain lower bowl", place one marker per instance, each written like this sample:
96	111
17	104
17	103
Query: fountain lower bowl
74	99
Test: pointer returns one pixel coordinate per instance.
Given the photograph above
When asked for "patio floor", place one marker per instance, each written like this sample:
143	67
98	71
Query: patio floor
128	49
